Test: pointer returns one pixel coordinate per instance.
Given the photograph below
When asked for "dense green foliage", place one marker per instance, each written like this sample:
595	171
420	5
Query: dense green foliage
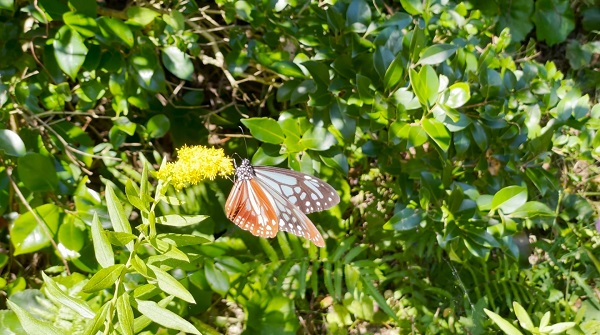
466	161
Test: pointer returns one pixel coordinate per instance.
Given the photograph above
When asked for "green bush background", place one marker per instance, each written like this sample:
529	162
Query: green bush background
462	138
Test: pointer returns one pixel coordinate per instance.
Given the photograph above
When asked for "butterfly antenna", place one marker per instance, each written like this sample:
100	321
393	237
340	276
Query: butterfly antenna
245	143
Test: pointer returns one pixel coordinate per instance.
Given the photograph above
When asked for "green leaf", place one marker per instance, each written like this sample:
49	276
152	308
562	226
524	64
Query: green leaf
437	132
558	328
125	314
554	20
64	299
523	317
94	326
358	16
140	16
115	30
11	143
87	7
406	219
301	92
178	62
72	235
37	172
147	71
480	136
425	85
517	18
164	317
83	24
288	68
104	278
28	236
319	72
265	130
7	4
412	7
181	240
175	20
69	50
132	191
437	54
102	248
32	325
376	295
158	126
170	285
457	95
363	86
532	209
317	138
143	321
176	220
217	279
505	325
509	199
417	136
116	212
268	154
394	73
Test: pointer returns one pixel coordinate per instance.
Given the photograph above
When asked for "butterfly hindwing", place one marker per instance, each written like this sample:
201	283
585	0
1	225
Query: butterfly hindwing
308	193
291	219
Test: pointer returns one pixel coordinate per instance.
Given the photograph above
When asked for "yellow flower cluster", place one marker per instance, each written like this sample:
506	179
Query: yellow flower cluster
195	164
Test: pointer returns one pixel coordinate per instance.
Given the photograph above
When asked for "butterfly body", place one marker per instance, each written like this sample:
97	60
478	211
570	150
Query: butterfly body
266	199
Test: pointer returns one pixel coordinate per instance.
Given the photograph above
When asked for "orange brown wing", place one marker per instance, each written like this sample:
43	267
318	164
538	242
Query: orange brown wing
249	207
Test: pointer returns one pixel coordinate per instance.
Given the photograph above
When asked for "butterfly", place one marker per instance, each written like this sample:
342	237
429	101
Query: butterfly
267	199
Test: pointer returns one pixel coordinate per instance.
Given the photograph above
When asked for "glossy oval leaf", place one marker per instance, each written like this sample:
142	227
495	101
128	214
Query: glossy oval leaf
265	130
85	25
436	54
11	143
28	236
509	199
288	68
178	62
158	126
417	136
317	138
69	50
406	219
217	279
71	234
437	132
533	209
457	95
115	30
140	16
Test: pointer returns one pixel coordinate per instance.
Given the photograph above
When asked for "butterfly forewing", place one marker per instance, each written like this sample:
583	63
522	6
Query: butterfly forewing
308	193
249	207
267	199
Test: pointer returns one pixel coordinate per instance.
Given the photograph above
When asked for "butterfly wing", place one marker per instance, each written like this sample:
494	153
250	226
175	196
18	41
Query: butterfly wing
291	218
308	193
249	207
